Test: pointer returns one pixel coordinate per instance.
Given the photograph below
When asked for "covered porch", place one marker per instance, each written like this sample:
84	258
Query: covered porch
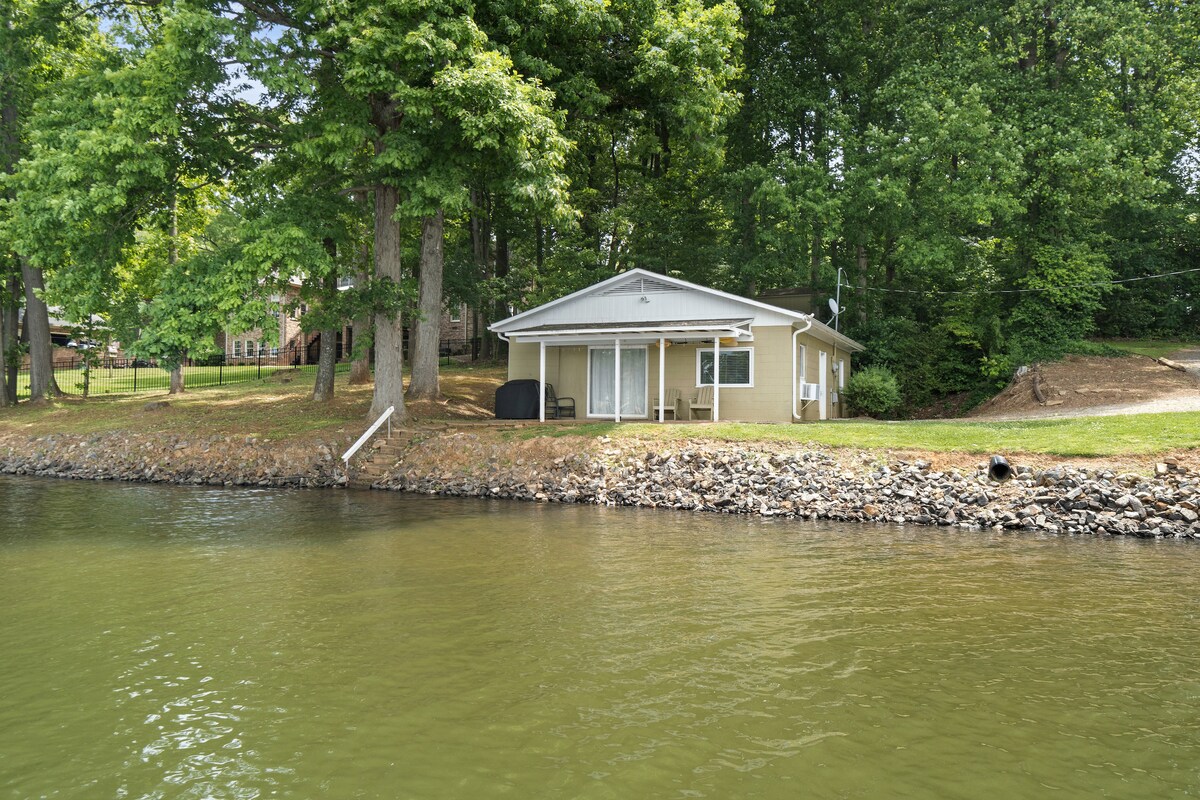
613	370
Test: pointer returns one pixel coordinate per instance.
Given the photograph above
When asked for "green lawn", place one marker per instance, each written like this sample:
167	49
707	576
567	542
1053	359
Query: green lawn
107	381
1143	434
1155	348
276	408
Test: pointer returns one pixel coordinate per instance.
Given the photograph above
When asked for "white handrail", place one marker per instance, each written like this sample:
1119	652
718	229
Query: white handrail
384	417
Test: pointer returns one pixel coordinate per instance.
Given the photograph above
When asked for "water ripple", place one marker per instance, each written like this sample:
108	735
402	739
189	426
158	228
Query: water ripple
179	643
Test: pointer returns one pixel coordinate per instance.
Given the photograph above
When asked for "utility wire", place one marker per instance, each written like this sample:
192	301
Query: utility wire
1021	291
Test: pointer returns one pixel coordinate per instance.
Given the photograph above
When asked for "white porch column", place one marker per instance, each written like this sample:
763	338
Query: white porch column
716	378
541	381
617	369
662	378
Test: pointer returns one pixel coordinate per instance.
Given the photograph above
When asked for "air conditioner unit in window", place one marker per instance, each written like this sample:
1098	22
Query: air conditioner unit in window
810	391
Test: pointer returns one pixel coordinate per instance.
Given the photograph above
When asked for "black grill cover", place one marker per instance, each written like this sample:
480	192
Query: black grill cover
517	400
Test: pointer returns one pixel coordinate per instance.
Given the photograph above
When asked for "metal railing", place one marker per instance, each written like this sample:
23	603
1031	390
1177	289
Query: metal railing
386	416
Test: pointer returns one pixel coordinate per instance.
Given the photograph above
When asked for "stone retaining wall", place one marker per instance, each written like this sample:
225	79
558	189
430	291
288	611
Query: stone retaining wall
766	479
807	484
210	461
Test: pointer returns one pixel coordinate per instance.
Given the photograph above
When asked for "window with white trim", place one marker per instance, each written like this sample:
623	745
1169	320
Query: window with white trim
456	314
737	366
237	348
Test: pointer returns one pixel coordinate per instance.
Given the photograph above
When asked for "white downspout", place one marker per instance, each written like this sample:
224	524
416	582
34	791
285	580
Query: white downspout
796	416
836	387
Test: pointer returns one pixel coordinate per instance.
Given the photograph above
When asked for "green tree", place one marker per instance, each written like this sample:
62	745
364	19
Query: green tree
409	101
128	139
38	41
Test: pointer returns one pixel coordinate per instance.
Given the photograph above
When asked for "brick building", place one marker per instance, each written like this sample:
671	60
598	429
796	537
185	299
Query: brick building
64	341
458	329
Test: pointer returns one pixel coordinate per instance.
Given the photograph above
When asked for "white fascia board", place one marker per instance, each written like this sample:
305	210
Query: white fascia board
827	334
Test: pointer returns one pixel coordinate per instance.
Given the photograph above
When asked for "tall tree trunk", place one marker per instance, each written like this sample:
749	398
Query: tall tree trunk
362	334
499	309
481	255
172	260
389	326
37	330
860	257
360	367
327	359
427	330
10	301
814	265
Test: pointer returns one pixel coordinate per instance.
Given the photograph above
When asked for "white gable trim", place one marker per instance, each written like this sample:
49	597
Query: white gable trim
510	326
497	326
642	273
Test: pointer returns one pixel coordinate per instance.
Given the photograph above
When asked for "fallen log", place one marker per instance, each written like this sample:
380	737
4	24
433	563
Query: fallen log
1037	388
1166	362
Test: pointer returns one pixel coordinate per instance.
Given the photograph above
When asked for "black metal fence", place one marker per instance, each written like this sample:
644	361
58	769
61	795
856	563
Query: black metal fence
118	376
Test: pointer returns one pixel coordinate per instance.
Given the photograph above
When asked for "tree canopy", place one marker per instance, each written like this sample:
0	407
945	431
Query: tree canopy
987	184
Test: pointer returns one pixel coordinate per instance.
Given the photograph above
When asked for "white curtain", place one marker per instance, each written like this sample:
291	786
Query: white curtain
602	391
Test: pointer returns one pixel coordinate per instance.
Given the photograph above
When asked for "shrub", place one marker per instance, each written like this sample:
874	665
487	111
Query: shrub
873	391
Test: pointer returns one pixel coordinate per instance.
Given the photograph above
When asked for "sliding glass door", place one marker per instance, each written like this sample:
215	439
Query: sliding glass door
602	387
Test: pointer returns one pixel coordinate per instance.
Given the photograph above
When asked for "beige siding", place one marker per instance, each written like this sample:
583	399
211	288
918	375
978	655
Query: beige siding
814	347
768	400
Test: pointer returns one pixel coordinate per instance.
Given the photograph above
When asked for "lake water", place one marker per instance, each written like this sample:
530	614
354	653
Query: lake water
163	642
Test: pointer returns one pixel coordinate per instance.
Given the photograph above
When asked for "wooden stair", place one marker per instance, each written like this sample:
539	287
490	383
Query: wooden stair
379	462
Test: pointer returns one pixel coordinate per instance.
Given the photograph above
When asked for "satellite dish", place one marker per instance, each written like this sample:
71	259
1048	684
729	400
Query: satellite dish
833	306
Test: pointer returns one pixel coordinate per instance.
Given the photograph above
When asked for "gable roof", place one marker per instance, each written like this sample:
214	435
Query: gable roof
643	283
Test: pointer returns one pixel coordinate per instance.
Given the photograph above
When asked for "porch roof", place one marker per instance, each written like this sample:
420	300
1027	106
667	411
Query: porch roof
679	330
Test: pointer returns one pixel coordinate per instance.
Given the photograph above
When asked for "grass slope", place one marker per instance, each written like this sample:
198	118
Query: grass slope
276	409
1144	434
1154	348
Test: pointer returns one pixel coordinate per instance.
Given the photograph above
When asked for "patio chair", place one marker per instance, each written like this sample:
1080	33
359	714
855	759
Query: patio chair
558	407
702	400
669	403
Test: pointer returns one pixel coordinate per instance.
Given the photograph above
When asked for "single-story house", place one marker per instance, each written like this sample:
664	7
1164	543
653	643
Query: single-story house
646	346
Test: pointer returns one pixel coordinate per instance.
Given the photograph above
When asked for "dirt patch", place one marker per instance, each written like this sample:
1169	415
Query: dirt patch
1079	383
465	395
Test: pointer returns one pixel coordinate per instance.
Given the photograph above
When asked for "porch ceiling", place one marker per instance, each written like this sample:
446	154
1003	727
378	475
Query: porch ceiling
636	333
